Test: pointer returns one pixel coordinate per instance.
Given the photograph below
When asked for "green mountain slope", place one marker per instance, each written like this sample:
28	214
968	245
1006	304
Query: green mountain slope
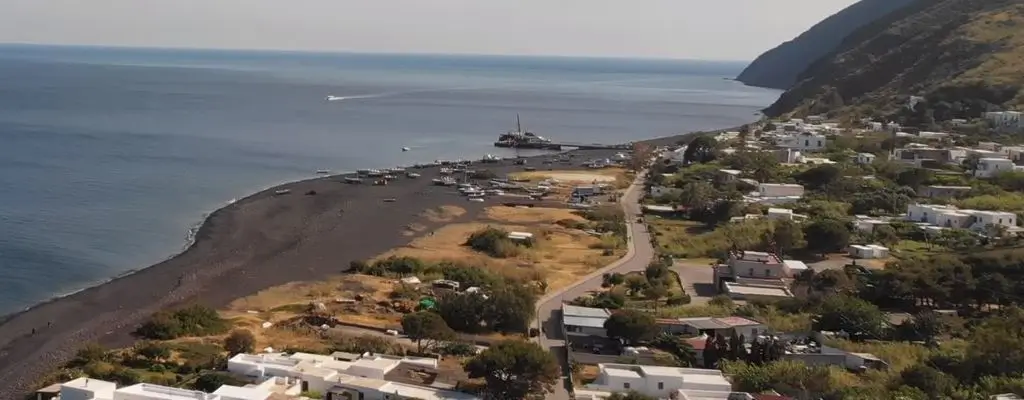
962	56
779	67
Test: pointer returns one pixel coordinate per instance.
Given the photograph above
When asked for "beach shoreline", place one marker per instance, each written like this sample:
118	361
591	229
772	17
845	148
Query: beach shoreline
247	245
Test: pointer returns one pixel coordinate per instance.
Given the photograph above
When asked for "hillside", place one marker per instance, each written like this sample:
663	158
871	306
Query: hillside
778	68
962	56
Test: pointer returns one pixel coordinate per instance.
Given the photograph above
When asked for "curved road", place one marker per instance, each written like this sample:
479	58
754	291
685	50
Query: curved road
638	256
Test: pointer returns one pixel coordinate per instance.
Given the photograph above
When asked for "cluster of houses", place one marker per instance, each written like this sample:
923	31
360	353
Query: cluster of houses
587	324
286	376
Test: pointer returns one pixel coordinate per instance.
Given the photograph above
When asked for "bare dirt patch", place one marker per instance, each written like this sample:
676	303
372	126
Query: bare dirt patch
560	256
360	299
606	175
443	213
529	215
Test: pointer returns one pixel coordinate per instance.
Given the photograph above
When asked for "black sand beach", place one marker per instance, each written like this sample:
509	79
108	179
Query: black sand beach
258	242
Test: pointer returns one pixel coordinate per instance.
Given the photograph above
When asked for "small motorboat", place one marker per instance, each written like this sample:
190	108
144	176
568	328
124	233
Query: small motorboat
353	180
406	149
323	171
282	192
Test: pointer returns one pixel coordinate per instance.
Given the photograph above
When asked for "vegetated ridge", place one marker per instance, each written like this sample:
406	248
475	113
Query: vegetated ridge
779	67
964	57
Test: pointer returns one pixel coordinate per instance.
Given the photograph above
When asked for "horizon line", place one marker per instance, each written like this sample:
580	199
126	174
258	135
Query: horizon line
362	52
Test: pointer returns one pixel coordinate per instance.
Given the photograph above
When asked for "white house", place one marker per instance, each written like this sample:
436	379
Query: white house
867	224
865	158
584	321
95	389
766	190
322	372
1005	119
991	166
870	251
803	142
659	382
952	217
358	388
725	326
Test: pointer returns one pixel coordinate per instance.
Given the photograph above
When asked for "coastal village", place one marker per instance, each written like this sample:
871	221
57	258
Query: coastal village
862	240
786	259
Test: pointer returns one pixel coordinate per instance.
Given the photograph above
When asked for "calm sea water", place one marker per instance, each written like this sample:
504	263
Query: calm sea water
108	156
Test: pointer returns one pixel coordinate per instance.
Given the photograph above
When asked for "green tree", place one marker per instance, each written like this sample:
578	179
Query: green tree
786	236
970	163
426	327
463	312
240	341
826	235
702	149
996	346
929	380
211	381
817	177
632	326
636	284
680	349
698	194
515	370
851	315
655	293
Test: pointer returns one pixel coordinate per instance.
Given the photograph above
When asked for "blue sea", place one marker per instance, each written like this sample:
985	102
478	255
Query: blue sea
109	155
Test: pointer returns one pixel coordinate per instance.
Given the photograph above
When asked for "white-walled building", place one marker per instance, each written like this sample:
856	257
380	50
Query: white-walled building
865	158
991	166
659	382
779	190
807	142
321	373
584	321
952	217
95	389
870	251
1005	119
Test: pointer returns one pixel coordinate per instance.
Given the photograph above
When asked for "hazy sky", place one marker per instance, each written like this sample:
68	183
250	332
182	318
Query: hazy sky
693	29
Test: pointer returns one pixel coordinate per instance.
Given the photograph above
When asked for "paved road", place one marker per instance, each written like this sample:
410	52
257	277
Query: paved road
637	258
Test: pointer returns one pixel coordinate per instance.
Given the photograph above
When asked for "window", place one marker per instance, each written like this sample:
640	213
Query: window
750	272
819	143
807	143
625	385
767	272
661	385
753	332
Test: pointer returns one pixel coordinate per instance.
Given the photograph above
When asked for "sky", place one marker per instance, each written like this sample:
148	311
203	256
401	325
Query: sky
684	29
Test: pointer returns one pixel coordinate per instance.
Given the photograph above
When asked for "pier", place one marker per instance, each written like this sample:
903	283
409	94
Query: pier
561	145
593	146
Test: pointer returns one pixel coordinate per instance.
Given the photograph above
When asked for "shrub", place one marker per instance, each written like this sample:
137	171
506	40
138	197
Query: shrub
494	242
195	320
211	381
679	300
569	223
459	349
240	341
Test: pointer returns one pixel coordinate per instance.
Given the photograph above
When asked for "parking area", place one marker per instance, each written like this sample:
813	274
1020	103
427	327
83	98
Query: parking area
697	281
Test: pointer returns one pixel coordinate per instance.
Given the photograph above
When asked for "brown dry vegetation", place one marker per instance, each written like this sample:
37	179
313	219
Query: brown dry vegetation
282	305
560	256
